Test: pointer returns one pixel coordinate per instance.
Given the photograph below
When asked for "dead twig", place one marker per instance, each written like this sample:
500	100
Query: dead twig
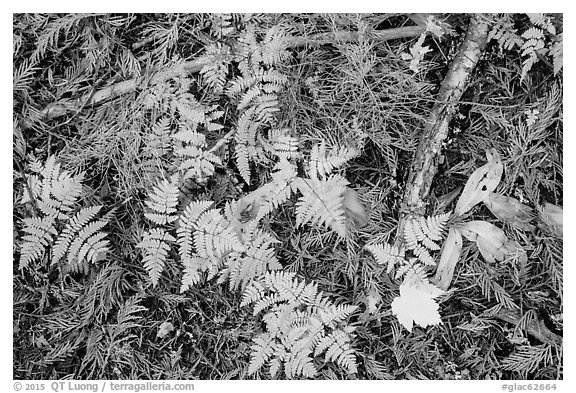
425	163
64	107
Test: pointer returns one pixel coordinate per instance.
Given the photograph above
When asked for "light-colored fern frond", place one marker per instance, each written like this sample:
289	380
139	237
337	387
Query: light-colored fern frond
258	258
39	235
155	247
534	42
386	254
214	238
246	143
338	350
504	32
75	233
89	246
56	191
274	46
323	162
162	202
187	226
321	203
60	190
282	144
195	161
421	233
300	324
273	194
215	69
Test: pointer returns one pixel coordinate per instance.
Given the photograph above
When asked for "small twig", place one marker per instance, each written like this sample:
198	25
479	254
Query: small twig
62	108
222	141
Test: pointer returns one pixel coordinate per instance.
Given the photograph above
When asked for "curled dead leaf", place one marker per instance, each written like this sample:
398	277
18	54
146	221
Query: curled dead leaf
488	237
481	183
510	210
449	258
354	208
492	242
552	216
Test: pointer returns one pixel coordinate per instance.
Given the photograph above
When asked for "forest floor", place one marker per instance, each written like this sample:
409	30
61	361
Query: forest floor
164	164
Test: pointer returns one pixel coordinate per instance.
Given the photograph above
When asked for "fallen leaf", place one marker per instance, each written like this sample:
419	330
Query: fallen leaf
492	242
354	208
481	183
164	329
510	210
552	216
449	258
415	306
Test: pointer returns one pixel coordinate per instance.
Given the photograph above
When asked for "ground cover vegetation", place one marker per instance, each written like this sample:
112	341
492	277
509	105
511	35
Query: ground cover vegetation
329	196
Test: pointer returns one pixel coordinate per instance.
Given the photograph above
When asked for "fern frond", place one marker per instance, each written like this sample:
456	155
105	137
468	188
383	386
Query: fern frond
338	350
534	42
386	254
215	69
323	162
527	359
187	225
246	142
262	350
193	268
300	324
40	232
73	227
213	238
60	190
274	49
277	191
155	247
282	144
258	258
321	203
163	201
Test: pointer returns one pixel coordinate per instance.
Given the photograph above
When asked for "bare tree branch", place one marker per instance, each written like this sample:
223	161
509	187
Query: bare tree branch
425	163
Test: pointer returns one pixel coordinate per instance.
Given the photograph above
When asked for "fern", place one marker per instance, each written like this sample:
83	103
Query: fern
162	202
386	254
81	238
282	145
420	234
246	143
56	192
323	162
300	324
534	42
504	32
195	162
205	237
258	258
40	232
215	70
321	203
527	359
155	245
